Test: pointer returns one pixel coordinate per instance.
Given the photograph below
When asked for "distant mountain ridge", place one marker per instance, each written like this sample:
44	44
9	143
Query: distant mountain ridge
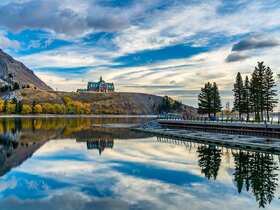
18	72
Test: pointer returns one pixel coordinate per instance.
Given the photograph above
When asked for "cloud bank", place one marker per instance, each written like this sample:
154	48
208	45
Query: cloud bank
137	44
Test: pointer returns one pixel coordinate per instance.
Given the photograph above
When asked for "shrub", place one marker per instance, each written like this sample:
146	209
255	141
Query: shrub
48	108
2	105
38	109
59	108
10	107
26	109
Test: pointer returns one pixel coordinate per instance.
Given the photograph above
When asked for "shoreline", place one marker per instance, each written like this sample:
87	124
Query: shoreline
76	116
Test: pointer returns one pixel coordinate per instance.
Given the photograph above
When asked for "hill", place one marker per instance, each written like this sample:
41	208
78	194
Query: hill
19	82
101	103
13	71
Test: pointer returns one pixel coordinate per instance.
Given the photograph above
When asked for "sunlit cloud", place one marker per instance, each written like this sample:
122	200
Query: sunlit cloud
137	44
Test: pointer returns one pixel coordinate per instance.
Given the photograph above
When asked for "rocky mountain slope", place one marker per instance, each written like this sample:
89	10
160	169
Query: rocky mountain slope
12	70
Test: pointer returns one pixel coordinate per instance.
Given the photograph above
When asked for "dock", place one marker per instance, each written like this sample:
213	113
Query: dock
254	129
262	144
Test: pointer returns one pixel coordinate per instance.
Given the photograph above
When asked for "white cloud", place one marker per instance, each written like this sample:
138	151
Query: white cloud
6	43
182	21
139	27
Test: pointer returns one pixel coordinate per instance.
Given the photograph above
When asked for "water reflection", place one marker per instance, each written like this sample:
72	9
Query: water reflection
209	160
87	164
256	171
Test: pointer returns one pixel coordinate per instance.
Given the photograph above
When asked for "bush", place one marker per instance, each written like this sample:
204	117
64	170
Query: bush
2	105
10	107
26	109
48	108
59	108
38	109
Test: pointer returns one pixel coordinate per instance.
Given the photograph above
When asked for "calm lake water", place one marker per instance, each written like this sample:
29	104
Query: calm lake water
83	164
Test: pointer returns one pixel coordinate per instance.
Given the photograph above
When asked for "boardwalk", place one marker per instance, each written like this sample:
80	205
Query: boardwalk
269	130
227	140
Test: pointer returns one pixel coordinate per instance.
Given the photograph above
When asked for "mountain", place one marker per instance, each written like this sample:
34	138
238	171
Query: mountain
12	71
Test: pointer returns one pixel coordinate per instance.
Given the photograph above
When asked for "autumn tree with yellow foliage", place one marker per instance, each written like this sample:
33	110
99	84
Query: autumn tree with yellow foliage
26	109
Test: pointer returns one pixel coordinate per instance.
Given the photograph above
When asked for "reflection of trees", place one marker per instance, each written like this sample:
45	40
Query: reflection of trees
209	159
258	172
69	125
7	148
241	175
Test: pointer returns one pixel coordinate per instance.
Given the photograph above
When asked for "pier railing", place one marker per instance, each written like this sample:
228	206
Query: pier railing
171	116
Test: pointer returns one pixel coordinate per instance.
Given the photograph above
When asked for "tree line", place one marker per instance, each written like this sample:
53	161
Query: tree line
69	106
256	95
169	105
209	100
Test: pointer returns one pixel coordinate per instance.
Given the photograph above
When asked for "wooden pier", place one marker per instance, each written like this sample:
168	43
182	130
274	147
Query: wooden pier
262	144
265	130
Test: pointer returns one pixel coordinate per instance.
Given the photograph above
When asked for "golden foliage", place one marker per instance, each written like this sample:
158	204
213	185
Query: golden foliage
2	105
26	109
10	107
38	109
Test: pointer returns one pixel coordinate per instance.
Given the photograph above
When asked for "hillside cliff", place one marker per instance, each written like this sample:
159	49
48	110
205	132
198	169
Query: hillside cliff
12	70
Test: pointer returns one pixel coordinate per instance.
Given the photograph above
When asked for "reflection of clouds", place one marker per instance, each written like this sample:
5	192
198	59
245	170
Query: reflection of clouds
63	201
8	184
95	182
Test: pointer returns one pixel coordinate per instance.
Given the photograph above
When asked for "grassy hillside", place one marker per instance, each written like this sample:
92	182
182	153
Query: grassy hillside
101	103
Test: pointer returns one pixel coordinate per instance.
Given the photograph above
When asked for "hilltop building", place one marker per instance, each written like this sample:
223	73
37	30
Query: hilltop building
100	86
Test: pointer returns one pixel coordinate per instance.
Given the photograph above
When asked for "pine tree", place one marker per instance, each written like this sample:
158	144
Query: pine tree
260	72
209	100
205	100
257	99
33	107
19	107
246	98
254	96
238	97
269	92
217	106
5	105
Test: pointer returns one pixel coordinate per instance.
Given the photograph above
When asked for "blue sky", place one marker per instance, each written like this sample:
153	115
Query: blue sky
155	46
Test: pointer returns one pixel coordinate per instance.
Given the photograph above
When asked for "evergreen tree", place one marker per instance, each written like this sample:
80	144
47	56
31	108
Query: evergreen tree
269	92
33	107
246	98
254	96
19	107
216	106
5	105
205	100
258	83
238	95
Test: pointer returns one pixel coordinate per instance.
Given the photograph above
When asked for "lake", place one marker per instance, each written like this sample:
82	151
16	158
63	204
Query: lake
98	163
